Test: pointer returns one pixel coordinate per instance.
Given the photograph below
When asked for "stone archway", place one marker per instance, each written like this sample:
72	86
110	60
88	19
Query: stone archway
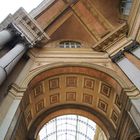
71	109
74	86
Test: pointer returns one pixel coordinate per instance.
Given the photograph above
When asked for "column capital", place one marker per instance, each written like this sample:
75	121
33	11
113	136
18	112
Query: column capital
24	41
19	36
130	48
11	27
118	56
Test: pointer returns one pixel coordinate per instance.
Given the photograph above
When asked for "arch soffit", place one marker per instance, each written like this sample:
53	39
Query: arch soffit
76	109
103	107
112	74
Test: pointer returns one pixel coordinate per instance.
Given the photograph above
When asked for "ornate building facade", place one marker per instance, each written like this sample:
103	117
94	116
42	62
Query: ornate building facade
77	57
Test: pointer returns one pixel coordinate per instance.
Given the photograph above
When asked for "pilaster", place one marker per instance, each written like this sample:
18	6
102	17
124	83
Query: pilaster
135	112
10	111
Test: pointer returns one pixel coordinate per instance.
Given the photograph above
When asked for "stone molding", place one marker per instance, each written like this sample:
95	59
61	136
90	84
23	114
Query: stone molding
25	26
16	91
132	92
41	7
111	38
39	70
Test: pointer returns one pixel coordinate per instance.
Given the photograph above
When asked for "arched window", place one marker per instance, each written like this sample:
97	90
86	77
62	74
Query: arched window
70	44
68	127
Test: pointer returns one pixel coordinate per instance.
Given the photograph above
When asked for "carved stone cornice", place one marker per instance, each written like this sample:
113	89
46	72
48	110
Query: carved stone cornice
25	26
31	29
111	38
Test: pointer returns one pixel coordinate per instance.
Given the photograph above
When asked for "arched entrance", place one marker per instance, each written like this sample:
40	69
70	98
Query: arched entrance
70	127
85	111
73	89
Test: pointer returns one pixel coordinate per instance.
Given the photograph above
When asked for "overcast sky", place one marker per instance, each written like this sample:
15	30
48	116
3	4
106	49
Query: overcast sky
10	6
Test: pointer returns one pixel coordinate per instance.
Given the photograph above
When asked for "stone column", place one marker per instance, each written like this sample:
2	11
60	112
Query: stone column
135	112
5	36
7	120
9	60
10	110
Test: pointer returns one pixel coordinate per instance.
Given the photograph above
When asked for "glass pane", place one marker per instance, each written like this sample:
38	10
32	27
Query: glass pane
69	44
72	46
125	7
68	127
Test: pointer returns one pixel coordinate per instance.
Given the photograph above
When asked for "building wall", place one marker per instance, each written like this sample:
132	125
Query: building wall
46	73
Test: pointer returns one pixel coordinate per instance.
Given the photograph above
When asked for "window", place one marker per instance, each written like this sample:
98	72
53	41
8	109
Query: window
70	44
125	7
68	127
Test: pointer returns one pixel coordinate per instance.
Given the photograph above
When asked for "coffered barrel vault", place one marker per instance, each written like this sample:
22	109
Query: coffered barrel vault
74	85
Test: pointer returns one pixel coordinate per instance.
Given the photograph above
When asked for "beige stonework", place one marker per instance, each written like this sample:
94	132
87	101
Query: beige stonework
85	81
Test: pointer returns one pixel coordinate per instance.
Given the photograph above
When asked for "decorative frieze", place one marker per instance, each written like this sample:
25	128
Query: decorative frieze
111	38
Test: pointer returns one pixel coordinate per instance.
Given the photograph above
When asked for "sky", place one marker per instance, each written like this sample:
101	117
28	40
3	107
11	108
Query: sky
10	6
